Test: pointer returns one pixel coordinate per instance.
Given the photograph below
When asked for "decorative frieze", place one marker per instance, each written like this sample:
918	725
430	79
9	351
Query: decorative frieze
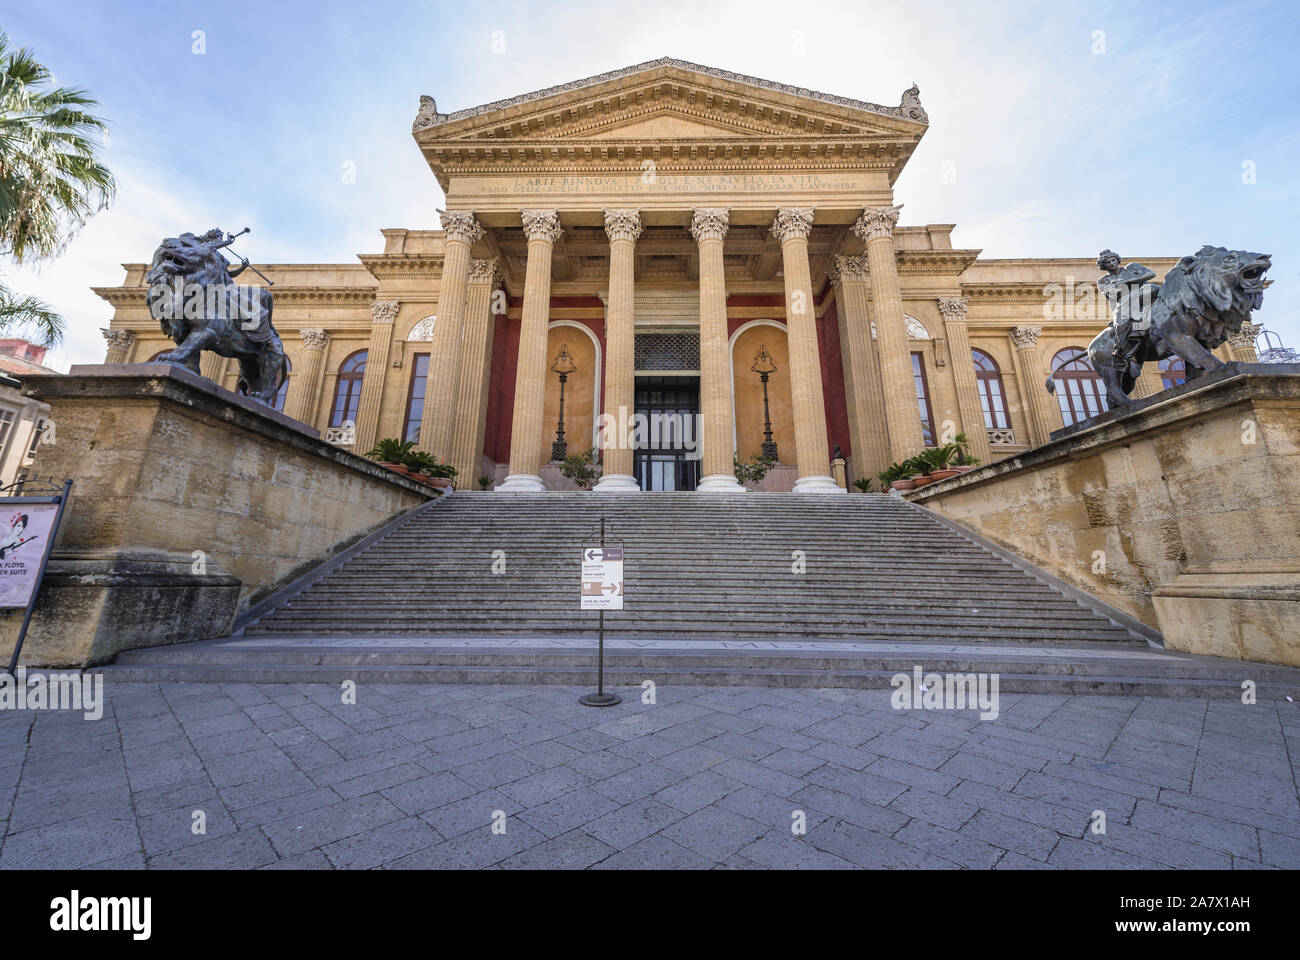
460	225
541	225
792	223
710	223
384	311
877	222
623	225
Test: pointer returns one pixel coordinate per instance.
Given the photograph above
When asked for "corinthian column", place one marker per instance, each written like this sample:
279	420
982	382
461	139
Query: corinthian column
791	227
304	391
717	467
875	228
963	371
382	315
476	372
460	232
1040	407
542	227
119	344
1241	347
623	227
865	400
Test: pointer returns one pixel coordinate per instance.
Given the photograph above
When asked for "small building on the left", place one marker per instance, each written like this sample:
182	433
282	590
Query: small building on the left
23	421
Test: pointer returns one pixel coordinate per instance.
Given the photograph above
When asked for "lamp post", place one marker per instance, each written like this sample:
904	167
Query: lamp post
564	366
765	367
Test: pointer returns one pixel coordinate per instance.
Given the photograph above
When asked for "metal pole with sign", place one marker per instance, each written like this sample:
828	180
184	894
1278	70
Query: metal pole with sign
602	589
34	521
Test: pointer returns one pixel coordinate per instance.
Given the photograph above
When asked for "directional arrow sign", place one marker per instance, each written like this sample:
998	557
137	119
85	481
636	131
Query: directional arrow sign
602	578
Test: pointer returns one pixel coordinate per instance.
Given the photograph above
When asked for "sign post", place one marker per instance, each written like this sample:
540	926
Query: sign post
28	525
602	589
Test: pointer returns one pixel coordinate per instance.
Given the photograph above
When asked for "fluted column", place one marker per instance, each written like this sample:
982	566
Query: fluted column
1031	377
862	391
304	387
875	228
476	373
460	232
213	366
542	227
791	227
717	437
622	227
382	315
969	407
1241	347
119	344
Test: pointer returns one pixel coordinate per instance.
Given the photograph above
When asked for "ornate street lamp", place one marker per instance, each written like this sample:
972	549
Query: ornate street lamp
564	366
764	367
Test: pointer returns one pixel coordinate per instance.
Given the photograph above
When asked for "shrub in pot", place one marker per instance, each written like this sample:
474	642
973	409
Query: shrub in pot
392	453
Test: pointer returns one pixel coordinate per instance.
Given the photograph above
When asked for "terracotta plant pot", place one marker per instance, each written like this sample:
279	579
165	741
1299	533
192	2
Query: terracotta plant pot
923	482
944	474
903	485
418	476
440	482
965	468
385	463
399	468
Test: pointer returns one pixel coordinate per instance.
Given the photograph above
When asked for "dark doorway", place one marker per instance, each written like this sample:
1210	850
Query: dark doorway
666	454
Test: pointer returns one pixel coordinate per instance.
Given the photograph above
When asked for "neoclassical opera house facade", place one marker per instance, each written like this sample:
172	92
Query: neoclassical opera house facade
662	235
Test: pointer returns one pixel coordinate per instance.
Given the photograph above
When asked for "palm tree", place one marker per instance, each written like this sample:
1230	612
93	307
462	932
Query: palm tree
51	181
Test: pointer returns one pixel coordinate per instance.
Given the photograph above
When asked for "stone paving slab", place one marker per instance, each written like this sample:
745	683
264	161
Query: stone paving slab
252	776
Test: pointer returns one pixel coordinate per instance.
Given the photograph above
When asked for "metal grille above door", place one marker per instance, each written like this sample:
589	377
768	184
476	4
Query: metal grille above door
678	350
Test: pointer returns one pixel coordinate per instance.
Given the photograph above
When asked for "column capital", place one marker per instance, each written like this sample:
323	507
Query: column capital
853	269
1025	338
877	222
1246	336
792	223
384	311
953	308
314	338
710	223
460	225
623	225
541	225
118	339
485	271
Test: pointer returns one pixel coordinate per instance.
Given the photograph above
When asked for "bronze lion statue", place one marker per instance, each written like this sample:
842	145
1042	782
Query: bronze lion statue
1202	303
193	296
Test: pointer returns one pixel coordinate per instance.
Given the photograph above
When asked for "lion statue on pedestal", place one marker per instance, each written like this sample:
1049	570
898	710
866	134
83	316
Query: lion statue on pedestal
193	296
1202	303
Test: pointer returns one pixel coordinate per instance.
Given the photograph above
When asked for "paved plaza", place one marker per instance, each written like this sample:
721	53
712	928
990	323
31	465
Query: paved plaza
448	776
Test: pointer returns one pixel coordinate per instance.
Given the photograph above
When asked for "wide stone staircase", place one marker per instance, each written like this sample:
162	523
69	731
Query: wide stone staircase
758	588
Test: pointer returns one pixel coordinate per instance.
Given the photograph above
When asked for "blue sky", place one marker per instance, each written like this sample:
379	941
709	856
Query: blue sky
1069	126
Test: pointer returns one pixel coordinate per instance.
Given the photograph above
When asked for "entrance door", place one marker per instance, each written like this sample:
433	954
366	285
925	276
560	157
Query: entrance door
670	406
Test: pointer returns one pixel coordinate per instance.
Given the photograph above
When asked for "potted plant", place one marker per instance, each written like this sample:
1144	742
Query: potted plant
751	471
582	468
938	460
484	482
863	485
392	453
896	477
963	462
427	469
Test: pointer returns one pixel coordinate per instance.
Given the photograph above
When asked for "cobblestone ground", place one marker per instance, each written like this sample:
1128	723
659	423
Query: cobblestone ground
410	776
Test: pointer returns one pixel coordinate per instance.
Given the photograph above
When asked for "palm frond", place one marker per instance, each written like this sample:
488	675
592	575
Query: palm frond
29	317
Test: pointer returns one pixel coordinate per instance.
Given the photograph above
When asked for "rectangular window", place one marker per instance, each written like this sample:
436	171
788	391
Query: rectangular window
6	428
415	398
923	398
36	441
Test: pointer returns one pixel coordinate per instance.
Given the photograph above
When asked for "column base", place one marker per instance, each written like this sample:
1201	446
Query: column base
617	483
822	484
719	483
521	483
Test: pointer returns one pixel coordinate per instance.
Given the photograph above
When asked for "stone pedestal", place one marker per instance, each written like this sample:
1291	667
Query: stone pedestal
188	504
1182	511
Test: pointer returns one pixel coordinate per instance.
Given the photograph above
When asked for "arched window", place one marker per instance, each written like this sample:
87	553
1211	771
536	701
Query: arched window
347	392
1173	371
1078	388
992	397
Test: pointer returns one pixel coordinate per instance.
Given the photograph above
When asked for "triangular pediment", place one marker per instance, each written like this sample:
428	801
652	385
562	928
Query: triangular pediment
669	100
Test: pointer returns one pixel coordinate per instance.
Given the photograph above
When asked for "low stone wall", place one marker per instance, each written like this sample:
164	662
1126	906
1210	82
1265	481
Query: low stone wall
1183	511
188	504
